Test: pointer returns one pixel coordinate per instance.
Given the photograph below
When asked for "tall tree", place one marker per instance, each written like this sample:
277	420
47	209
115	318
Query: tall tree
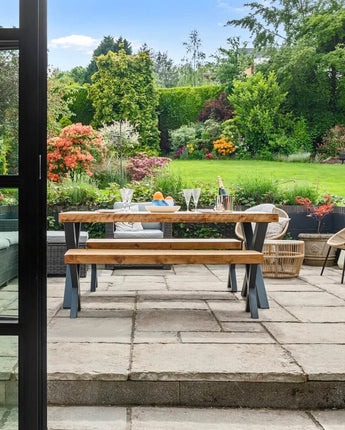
197	57
123	89
166	72
108	44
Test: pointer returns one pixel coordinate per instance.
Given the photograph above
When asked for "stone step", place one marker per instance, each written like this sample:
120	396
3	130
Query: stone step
212	393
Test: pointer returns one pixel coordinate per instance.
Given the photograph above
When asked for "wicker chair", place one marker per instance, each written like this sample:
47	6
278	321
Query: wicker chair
281	213
336	241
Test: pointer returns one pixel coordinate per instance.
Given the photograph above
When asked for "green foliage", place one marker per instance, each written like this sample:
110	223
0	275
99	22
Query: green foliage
166	73
231	63
182	136
289	192
79	104
252	191
257	102
180	106
123	89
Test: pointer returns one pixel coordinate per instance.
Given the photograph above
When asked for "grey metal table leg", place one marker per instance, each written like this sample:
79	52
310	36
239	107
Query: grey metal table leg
252	304
72	232
75	294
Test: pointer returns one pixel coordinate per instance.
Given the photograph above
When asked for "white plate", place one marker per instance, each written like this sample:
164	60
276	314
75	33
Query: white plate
206	211
162	209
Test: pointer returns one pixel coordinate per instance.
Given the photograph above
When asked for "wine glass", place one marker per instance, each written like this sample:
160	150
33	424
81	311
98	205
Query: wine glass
187	196
196	194
126	195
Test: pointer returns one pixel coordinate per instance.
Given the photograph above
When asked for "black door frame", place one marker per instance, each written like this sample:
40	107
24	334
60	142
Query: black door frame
30	327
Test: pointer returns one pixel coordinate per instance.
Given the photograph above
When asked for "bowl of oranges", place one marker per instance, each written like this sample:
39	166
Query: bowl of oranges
161	204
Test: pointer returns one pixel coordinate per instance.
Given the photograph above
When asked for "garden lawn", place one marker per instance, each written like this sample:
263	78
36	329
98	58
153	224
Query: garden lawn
328	178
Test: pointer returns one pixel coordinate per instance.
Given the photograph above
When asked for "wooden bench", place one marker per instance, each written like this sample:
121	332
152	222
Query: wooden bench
73	257
166	244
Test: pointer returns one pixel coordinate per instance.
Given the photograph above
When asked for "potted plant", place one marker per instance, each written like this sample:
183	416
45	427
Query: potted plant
316	243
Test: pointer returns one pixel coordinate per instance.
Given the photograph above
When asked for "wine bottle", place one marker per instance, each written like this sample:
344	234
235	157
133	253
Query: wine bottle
221	190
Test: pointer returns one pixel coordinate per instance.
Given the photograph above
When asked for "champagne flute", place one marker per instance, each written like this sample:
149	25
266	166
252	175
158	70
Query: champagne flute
187	196
129	197
196	194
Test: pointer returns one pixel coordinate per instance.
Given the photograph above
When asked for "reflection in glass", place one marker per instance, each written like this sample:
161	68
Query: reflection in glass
9	73
9	17
8	252
9	382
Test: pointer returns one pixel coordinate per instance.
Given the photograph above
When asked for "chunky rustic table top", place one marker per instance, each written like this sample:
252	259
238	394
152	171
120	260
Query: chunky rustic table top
197	217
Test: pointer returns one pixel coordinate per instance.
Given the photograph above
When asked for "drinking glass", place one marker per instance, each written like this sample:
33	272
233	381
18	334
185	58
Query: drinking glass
196	194
187	196
126	195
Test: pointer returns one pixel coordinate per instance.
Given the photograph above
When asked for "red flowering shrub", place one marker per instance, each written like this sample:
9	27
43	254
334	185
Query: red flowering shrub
74	151
318	212
141	165
209	156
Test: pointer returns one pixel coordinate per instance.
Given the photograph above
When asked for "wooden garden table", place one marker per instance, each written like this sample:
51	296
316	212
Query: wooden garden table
254	239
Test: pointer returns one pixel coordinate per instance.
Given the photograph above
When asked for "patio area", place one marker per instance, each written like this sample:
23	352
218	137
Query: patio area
177	338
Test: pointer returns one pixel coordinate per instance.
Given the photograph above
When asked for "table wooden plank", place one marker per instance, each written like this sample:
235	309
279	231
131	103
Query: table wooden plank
192	217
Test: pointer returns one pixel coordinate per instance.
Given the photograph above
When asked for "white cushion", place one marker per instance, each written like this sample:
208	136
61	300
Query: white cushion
141	234
275	229
129	226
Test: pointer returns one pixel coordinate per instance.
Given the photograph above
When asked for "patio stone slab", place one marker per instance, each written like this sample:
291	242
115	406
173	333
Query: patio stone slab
306	333
87	418
196	285
142	272
90	330
306	299
235	311
7	367
156	337
219	419
214	362
337	290
88	361
172	304
330	420
199	269
10	419
186	295
303	286
105	302
8	346
318	313
320	362
234	337
246	327
176	320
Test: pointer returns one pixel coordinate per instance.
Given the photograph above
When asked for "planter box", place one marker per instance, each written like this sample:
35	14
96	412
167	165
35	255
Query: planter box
316	249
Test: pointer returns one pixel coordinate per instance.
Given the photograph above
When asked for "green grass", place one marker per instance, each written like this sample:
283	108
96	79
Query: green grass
327	178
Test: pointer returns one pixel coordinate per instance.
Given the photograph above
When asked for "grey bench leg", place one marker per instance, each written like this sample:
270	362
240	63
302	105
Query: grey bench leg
94	280
232	282
251	304
75	293
68	289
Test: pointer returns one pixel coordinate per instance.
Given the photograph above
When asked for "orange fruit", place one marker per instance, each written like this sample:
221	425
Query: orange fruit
169	198
158	196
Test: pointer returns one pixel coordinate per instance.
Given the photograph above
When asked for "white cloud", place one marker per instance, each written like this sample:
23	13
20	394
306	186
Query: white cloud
75	41
224	5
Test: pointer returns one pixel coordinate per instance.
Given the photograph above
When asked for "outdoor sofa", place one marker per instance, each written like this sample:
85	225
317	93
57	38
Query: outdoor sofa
8	250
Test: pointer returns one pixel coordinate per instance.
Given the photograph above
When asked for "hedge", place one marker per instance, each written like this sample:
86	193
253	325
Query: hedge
181	105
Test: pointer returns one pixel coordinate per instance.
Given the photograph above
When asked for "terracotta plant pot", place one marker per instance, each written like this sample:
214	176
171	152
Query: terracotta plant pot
316	249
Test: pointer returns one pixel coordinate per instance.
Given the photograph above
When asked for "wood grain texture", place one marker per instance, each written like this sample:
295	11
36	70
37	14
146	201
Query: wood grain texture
191	217
164	244
150	256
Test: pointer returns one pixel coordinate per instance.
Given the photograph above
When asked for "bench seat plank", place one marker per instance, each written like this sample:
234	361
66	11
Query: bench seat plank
155	256
164	244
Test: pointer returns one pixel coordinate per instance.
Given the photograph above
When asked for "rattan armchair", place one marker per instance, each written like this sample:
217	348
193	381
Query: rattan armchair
336	241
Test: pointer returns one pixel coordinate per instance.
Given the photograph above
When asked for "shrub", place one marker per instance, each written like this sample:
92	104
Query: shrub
180	106
333	142
129	138
219	109
141	166
74	152
253	191
257	102
79	104
182	136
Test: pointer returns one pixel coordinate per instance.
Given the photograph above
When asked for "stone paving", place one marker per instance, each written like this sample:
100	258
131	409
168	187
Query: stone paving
177	337
150	418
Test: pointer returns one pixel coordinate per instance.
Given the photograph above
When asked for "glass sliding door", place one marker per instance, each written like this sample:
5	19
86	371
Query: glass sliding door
23	69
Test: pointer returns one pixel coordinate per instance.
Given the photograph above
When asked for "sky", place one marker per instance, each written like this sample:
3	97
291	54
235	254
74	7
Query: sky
76	27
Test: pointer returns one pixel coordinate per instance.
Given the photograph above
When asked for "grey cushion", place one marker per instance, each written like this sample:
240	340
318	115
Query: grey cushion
146	225
140	234
59	236
10	236
4	243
